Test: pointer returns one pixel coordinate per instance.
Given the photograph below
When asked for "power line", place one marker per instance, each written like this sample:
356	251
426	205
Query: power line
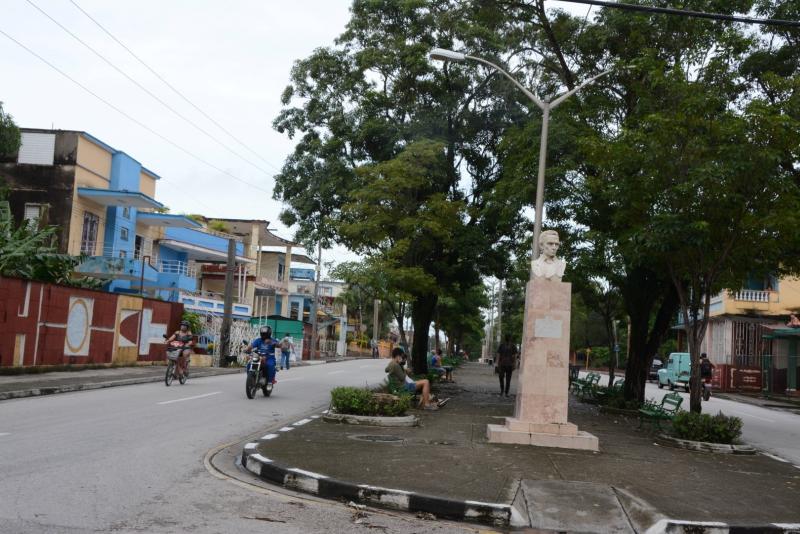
176	91
688	13
143	88
131	118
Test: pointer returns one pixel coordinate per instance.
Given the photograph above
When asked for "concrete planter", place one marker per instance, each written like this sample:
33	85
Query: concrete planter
719	448
370	420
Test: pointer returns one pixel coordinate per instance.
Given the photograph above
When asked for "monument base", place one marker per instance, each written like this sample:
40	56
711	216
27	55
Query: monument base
566	436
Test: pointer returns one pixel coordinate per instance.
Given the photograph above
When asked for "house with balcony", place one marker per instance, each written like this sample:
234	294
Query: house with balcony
747	339
103	201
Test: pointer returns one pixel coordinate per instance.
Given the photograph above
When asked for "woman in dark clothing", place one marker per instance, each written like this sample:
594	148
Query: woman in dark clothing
506	358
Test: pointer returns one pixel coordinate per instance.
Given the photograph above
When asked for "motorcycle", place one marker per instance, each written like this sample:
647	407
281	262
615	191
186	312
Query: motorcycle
173	353
706	382
256	378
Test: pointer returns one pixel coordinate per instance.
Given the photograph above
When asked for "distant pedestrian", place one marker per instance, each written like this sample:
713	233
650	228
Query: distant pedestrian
375	352
506	358
286	350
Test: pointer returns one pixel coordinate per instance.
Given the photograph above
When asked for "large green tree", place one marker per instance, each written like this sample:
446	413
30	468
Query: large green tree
366	101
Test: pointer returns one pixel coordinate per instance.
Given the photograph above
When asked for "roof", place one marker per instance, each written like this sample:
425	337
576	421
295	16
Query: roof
95	140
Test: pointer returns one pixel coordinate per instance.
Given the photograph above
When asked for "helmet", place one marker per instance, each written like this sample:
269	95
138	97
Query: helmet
265	332
184	323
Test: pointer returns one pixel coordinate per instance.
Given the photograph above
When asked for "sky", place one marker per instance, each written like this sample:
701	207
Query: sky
231	59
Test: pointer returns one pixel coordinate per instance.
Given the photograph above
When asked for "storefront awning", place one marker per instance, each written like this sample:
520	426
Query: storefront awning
167	220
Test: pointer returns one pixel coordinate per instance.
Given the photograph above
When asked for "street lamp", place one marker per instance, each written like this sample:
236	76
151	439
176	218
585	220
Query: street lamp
442	54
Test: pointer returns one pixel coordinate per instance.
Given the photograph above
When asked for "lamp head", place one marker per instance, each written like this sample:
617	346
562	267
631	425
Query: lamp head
442	54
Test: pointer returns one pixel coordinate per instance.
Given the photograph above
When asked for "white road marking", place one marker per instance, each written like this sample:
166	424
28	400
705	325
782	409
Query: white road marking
286	429
5	433
335	372
301	422
269	436
778	458
190	398
753	416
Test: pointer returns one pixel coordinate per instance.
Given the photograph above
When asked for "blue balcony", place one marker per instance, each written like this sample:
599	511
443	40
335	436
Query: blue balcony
201	246
176	276
106	268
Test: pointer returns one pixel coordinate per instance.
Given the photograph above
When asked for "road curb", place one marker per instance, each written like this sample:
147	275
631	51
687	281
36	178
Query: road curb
674	526
718	448
298	479
370	420
70	388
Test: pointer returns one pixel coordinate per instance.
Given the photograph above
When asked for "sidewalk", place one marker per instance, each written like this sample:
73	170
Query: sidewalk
31	385
448	457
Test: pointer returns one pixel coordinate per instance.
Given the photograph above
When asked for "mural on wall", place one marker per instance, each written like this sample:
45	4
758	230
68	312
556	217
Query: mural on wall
47	324
78	328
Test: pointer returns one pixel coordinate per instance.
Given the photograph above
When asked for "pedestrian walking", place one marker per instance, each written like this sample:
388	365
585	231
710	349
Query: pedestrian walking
506	358
286	350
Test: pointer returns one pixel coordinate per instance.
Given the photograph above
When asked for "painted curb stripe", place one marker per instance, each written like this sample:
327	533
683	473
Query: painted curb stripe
269	436
301	422
286	429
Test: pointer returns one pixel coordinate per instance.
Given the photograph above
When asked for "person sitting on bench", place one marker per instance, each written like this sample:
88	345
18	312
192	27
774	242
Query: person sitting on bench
436	365
395	370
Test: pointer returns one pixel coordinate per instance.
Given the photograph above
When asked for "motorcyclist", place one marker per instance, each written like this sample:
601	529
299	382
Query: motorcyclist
266	340
184	335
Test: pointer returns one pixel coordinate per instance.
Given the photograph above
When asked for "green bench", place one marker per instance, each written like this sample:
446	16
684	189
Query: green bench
655	413
616	388
586	387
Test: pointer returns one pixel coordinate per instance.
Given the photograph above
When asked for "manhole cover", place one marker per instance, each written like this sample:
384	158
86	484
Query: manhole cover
377	439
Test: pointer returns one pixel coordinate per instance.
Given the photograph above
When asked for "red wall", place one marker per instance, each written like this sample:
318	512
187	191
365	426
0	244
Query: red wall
41	312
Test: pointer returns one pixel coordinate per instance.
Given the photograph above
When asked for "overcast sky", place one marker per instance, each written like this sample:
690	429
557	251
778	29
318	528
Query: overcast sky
232	59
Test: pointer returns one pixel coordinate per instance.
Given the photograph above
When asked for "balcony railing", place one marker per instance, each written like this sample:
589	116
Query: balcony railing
752	295
177	267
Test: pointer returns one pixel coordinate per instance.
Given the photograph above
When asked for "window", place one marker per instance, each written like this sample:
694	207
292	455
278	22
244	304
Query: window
126	212
37	148
123	234
295	310
33	214
91	224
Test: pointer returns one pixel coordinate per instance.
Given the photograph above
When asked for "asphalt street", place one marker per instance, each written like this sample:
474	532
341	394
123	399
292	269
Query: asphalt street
773	431
130	459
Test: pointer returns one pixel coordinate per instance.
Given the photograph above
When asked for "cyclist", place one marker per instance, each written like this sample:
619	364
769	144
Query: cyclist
184	335
269	343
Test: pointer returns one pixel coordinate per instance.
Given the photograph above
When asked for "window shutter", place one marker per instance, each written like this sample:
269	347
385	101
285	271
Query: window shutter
37	148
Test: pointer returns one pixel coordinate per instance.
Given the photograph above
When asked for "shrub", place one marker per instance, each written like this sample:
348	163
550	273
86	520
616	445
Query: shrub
361	401
614	398
718	428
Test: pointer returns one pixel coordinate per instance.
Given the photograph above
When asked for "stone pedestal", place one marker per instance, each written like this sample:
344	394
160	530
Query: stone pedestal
540	415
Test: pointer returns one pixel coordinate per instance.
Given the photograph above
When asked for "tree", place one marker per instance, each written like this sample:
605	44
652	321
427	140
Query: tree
28	252
459	314
10	138
367	101
727	206
367	281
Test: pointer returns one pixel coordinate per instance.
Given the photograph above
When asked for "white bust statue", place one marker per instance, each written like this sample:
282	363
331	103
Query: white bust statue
547	265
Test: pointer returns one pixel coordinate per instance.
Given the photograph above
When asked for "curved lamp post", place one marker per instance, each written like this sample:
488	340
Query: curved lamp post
442	54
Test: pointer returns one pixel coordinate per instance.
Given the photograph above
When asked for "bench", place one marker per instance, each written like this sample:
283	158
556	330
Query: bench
655	413
615	389
586	387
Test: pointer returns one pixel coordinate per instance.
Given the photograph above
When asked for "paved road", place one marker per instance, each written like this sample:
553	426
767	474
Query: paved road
130	459
774	431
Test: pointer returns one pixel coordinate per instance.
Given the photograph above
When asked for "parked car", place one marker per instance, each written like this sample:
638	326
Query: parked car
653	374
676	372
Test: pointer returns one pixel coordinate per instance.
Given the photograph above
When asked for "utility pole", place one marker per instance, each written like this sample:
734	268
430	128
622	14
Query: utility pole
225	332
375	328
315	301
500	314
489	343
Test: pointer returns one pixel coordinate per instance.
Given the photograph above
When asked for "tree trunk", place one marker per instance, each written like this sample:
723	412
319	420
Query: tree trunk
422	316
645	292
